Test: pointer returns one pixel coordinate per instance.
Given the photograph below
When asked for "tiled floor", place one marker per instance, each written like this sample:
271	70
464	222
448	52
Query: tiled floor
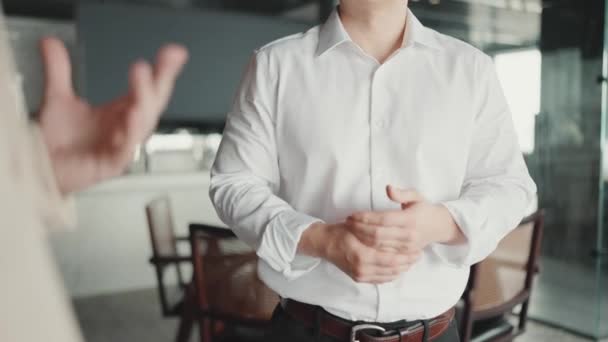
135	316
570	294
537	332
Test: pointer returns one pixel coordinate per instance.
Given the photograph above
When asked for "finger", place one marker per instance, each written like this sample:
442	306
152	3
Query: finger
382	280
390	249
142	118
372	273
399	248
387	259
404	197
385	271
375	279
379	235
57	68
413	253
379	274
141	81
169	63
388	246
395	218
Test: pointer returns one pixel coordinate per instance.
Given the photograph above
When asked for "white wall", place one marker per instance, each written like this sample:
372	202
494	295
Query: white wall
109	250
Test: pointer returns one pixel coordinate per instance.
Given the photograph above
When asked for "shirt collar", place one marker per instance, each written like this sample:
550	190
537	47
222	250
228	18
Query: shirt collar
332	33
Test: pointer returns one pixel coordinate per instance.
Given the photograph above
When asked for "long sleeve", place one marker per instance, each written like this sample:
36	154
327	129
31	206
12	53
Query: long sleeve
497	188
30	164
57	210
245	177
31	289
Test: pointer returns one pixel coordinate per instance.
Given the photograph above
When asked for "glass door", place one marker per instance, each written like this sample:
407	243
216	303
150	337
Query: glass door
568	163
601	251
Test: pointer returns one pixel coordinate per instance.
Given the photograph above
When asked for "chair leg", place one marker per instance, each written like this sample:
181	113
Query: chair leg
508	338
218	328
204	327
187	316
523	316
466	326
184	331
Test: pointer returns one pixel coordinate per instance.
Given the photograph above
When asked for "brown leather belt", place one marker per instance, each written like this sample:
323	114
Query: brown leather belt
351	331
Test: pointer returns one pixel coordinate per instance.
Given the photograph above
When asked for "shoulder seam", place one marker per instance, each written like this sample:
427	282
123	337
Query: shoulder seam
473	49
284	39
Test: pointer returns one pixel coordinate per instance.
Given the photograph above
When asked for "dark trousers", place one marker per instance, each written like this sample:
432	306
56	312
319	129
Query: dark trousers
285	328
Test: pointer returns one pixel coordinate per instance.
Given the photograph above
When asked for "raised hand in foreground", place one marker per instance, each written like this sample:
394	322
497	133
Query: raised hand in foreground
88	144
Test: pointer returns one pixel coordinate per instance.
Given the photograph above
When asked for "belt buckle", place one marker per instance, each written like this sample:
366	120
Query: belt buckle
355	329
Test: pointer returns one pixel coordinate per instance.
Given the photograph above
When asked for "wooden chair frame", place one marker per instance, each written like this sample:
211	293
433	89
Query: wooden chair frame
469	316
209	321
184	308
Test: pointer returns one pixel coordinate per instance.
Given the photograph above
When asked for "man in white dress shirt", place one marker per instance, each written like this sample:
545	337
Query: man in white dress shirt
369	161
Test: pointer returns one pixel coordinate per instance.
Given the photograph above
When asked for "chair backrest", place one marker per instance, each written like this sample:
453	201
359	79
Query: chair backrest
165	256
504	279
160	225
226	279
502	275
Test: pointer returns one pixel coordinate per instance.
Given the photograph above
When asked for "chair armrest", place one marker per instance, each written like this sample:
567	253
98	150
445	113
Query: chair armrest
216	232
170	259
534	217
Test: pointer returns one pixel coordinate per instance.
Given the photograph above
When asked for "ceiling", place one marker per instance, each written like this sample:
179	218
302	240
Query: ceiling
64	8
503	23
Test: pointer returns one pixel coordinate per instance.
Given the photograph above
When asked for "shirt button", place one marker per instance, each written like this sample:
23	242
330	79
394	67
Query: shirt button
380	123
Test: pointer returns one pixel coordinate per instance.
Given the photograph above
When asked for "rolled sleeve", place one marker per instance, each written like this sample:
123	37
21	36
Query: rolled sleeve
245	178
280	244
458	255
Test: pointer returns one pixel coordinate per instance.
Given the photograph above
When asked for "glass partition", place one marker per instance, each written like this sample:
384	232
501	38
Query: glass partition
602	242
566	164
549	55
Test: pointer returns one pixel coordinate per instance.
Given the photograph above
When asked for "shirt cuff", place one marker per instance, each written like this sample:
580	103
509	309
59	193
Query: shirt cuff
280	244
58	211
461	255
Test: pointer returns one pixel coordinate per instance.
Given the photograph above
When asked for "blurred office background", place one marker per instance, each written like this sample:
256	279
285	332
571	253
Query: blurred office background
551	59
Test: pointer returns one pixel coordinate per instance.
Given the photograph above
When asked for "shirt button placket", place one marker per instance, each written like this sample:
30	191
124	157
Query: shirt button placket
377	125
378	169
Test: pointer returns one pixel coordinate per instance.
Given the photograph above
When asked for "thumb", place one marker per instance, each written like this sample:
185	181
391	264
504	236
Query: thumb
403	197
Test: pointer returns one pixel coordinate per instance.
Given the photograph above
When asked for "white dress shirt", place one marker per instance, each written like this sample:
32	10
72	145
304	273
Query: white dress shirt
318	129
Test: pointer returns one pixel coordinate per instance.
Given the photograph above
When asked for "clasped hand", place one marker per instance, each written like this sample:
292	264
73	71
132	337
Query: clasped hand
378	246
